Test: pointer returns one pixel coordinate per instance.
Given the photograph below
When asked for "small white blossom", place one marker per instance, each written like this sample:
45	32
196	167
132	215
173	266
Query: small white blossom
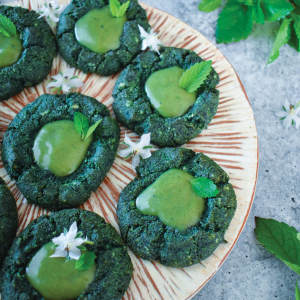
68	242
150	40
65	81
138	150
289	115
51	11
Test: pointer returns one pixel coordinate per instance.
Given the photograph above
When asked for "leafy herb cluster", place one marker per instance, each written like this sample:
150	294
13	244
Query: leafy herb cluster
82	125
283	241
7	27
237	18
117	10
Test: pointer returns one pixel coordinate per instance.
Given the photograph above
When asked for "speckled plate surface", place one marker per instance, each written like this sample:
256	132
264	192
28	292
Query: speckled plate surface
230	139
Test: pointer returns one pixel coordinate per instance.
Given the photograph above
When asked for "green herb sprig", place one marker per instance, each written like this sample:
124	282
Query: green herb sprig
85	261
283	241
237	18
82	125
7	27
204	187
195	76
117	10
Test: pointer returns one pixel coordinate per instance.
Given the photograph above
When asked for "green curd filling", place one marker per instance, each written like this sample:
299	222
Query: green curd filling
55	278
171	198
10	50
58	147
99	31
166	95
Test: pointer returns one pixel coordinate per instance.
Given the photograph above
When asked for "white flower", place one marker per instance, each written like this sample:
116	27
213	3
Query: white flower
150	39
51	11
290	115
68	242
138	150
65	81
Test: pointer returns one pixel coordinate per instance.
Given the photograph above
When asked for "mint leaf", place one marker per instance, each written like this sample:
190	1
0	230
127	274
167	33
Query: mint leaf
297	2
114	6
85	261
297	292
204	187
92	129
210	5
195	76
275	10
295	32
280	239
235	23
7	27
283	36
81	124
123	9
117	10
257	13
294	267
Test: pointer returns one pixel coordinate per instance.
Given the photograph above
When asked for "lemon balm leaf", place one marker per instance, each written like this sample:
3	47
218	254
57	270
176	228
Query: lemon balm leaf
123	9
204	187
85	261
281	240
209	5
294	267
114	6
4	32
195	76
81	124
275	10
7	27
282	38
92	129
117	10
235	23
295	32
257	12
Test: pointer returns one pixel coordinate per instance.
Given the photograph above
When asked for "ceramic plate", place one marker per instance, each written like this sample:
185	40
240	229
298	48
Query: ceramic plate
230	140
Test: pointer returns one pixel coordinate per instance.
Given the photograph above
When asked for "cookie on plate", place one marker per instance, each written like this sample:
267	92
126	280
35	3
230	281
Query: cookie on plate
53	165
26	58
148	98
91	39
161	217
71	254
8	219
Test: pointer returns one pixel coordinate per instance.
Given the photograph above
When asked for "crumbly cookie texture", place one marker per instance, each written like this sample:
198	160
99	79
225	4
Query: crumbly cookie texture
114	267
149	238
8	219
112	61
39	50
133	108
41	187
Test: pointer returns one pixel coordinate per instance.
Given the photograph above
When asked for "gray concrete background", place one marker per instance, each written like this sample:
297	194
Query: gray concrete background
250	272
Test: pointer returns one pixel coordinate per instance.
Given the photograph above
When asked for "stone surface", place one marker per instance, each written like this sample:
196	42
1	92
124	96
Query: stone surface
250	272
